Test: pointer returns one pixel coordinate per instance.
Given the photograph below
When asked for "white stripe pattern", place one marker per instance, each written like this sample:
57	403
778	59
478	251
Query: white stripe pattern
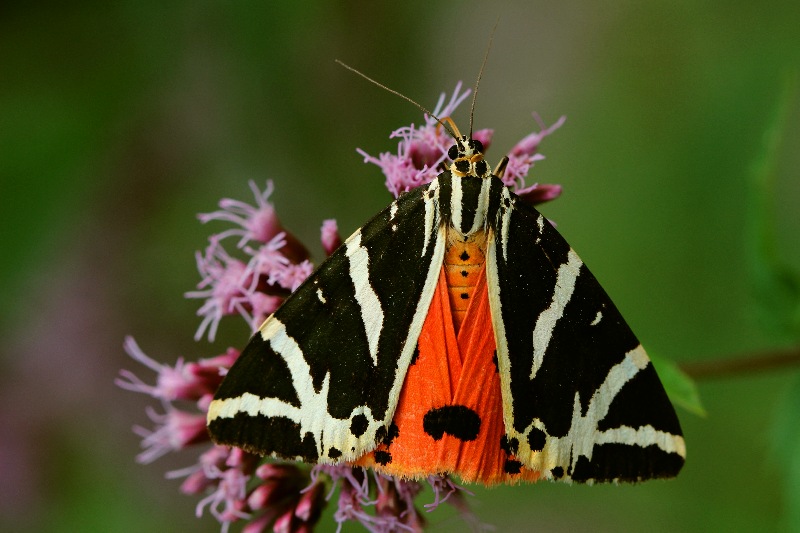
456	197
313	415
562	293
505	197
431	212
583	434
368	302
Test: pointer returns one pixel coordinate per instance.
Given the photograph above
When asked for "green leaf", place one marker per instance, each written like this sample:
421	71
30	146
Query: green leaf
776	287
680	388
785	443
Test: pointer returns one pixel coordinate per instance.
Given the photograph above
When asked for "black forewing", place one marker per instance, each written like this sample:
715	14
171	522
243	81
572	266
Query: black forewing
587	341
325	319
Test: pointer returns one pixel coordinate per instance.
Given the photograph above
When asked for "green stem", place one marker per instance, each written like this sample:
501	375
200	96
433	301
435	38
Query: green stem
743	365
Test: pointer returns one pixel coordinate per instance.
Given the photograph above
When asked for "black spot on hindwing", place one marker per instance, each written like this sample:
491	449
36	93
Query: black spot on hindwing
512	467
383	457
510	446
392	434
386	436
458	421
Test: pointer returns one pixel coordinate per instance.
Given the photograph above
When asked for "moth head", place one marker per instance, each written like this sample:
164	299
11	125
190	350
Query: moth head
467	157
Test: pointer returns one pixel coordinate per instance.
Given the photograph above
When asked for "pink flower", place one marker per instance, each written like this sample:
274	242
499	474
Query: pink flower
262	305
421	151
226	285
174	431
292	276
267	262
256	223
330	236
538	194
525	153
184	381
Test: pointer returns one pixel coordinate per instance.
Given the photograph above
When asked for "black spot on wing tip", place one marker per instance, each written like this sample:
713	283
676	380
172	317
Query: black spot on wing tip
557	472
382	457
358	425
334	453
458	421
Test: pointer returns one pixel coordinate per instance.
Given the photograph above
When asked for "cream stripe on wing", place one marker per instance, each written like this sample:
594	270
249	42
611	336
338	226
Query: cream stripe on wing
456	197
371	311
565	286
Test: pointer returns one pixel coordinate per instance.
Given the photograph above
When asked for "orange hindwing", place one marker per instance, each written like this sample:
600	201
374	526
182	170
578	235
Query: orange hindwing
449	418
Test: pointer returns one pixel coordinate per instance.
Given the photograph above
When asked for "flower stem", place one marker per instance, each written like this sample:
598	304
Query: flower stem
744	364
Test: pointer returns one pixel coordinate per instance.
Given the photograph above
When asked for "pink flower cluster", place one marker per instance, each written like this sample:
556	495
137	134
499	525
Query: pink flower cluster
275	263
251	281
422	153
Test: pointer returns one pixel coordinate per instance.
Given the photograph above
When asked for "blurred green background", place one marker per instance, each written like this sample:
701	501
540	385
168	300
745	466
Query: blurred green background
120	121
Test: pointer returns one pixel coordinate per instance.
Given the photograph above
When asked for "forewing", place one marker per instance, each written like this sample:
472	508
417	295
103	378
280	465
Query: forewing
581	399
323	375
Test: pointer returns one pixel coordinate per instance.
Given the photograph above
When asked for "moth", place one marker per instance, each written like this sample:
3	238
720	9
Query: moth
456	332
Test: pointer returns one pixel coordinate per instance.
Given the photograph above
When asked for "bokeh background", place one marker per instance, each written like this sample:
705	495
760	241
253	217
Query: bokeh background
120	121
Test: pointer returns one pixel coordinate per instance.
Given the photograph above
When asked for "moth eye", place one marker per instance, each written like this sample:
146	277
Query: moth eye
477	146
452	153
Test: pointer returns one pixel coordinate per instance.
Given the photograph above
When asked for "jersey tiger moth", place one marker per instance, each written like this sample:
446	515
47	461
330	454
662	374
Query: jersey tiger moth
456	332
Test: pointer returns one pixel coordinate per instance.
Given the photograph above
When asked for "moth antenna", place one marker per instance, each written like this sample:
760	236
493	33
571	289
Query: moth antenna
480	75
453	125
401	95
